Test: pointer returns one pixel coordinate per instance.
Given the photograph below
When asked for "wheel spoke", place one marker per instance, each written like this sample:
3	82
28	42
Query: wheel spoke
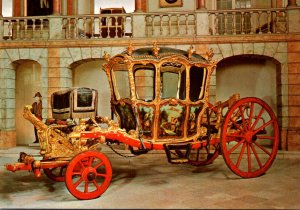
102	175
235	147
249	157
256	156
236	125
251	114
81	164
263	126
96	184
266	137
98	165
90	161
86	186
262	148
243	117
235	136
78	182
257	118
240	156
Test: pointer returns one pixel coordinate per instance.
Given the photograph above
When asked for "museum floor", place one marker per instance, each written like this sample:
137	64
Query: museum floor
149	181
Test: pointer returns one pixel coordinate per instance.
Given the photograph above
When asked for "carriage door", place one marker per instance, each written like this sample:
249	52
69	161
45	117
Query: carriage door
144	80
121	101
172	109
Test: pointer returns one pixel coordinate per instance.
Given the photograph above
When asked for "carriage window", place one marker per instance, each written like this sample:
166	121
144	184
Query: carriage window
120	81
173	77
144	78
197	83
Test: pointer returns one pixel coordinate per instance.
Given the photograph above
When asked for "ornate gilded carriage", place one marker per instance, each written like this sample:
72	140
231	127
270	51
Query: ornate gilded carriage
160	97
163	95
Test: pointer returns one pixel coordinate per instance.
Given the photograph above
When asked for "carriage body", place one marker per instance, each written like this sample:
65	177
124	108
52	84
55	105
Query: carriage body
162	96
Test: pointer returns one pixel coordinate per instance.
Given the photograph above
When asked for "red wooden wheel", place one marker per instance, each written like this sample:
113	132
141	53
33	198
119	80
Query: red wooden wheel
250	137
88	175
56	174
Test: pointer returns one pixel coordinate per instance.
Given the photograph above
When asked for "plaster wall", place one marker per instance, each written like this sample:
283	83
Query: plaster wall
256	78
85	7
28	82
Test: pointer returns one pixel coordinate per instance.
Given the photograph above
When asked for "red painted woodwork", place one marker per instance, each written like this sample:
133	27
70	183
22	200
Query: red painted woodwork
88	175
251	150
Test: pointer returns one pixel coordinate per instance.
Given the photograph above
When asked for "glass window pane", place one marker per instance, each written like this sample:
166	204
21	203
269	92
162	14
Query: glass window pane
197	83
144	77
173	80
120	81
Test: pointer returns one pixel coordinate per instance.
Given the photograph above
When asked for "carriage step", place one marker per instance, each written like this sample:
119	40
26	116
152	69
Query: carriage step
174	153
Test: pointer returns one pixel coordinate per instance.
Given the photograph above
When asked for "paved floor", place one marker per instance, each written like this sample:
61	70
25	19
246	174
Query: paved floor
149	181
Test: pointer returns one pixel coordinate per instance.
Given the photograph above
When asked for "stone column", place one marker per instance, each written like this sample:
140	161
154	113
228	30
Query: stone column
64	6
56	7
16	8
55	28
202	20
138	25
201	4
1	8
1	21
292	3
138	6
294	18
24	8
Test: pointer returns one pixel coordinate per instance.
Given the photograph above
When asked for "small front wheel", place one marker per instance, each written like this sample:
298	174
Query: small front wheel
249	137
88	175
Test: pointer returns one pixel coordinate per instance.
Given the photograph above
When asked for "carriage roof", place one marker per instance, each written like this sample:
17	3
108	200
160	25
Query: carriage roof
149	53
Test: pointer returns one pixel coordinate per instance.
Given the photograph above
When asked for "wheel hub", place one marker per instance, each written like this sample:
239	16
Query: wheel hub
91	176
250	137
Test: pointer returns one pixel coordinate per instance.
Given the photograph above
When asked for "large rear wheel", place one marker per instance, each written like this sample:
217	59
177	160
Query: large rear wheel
88	175
249	137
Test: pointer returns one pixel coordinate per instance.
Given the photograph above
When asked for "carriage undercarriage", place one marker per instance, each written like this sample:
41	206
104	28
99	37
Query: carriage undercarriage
244	131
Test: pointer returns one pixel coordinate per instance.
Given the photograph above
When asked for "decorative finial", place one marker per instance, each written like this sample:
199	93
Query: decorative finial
155	49
210	54
190	52
106	56
129	49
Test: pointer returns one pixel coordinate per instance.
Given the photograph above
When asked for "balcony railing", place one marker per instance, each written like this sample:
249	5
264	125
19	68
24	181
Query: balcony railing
146	25
248	21
170	24
97	26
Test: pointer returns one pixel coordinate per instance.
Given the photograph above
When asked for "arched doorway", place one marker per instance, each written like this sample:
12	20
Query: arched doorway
249	75
89	73
28	82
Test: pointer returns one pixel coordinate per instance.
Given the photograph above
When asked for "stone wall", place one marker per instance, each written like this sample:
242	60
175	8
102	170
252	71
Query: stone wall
293	132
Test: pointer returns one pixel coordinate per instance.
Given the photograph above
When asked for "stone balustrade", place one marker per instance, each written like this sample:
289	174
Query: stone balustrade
170	24
147	25
248	21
